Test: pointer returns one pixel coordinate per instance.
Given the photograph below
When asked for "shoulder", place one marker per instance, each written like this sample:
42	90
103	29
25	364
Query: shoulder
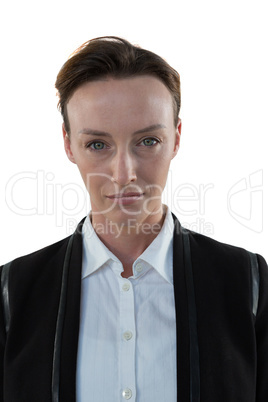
49	256
216	250
212	247
214	254
42	256
35	269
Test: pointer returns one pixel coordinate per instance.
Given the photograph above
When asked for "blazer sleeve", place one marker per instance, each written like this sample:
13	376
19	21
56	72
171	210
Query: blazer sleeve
261	328
2	345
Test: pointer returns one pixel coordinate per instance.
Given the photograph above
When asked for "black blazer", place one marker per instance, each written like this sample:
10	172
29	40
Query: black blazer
222	348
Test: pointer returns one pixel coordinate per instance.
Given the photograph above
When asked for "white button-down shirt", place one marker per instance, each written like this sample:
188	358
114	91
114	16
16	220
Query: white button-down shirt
127	339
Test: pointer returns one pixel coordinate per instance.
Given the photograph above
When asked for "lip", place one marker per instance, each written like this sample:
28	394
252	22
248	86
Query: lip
125	195
125	198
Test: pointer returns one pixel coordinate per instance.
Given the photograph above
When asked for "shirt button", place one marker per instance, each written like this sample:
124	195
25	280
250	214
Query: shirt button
127	393
126	287
139	267
127	335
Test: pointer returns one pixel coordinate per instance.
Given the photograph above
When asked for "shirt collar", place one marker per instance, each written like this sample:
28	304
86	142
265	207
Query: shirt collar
159	254
95	253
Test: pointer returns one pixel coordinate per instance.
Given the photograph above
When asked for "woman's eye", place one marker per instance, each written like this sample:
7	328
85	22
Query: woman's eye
149	142
96	146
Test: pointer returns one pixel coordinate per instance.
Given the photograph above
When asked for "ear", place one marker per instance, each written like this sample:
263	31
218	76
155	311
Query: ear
177	138
67	144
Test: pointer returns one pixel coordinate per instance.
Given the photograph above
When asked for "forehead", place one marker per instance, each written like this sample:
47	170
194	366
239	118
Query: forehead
142	99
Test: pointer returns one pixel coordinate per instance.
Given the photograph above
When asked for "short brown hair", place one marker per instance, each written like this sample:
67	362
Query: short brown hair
110	56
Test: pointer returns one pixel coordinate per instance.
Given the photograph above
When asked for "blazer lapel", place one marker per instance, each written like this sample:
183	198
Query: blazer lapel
70	330
182	316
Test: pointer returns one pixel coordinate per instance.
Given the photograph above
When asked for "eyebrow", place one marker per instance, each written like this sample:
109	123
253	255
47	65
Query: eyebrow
151	128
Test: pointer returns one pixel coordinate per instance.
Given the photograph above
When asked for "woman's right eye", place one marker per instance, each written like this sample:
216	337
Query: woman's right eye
96	145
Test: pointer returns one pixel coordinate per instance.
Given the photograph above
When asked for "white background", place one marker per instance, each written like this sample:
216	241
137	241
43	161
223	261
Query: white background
220	51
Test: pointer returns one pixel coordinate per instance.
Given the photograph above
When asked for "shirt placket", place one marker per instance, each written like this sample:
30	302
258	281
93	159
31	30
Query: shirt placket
127	342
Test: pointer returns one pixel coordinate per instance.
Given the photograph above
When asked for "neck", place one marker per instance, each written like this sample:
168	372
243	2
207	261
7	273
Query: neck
128	240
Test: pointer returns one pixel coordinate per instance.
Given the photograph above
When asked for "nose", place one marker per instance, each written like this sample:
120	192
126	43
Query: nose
123	168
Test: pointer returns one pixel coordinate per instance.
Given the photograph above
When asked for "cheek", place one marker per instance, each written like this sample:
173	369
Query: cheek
156	176
86	165
98	184
158	167
93	182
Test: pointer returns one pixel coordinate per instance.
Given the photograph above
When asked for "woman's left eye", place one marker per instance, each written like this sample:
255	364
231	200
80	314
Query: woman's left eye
148	142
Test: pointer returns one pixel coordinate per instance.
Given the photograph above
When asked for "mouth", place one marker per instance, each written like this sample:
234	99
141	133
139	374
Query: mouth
125	198
125	195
